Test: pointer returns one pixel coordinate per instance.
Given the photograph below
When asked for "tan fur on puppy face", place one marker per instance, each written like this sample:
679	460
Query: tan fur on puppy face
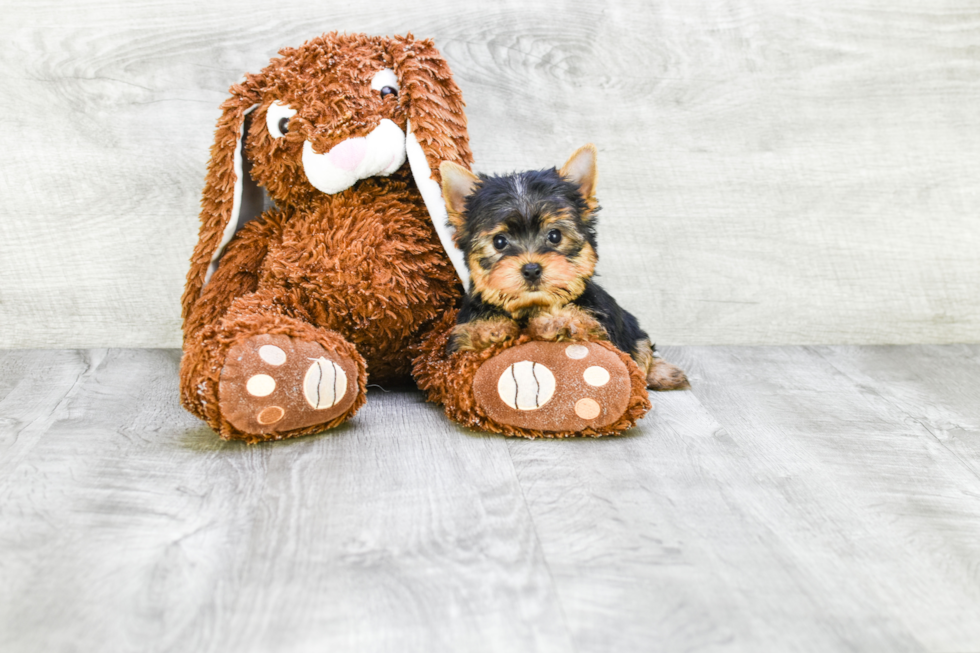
564	269
562	280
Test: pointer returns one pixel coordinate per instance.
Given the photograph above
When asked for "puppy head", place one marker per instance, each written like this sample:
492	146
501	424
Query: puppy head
528	237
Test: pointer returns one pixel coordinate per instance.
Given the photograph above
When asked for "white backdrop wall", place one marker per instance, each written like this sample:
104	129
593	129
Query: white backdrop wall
771	172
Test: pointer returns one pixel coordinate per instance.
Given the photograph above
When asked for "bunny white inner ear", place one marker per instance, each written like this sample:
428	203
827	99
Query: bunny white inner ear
248	199
436	205
384	78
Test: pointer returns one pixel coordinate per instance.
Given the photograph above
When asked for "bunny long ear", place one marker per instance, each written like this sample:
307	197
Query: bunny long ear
436	129
231	198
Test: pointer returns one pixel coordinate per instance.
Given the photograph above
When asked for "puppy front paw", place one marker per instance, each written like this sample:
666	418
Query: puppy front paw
567	323
481	334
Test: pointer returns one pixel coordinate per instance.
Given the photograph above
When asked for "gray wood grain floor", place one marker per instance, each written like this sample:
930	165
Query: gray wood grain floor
798	499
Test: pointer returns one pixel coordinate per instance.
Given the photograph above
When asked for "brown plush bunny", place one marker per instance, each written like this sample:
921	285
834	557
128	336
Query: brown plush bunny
323	255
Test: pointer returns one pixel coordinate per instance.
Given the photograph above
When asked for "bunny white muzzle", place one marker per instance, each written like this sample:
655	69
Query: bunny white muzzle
379	153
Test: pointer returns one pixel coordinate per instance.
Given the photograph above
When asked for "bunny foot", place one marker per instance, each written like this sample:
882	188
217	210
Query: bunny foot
554	387
271	384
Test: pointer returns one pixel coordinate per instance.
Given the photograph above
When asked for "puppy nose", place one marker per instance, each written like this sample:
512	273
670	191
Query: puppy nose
348	154
531	271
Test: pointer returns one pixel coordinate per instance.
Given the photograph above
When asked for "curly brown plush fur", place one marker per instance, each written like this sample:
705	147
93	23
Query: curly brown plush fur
361	271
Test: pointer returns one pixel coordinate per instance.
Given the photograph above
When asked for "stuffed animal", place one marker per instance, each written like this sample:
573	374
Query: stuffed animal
324	257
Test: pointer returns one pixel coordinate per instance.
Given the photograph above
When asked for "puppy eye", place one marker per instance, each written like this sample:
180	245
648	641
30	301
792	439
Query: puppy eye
554	236
385	82
499	242
277	119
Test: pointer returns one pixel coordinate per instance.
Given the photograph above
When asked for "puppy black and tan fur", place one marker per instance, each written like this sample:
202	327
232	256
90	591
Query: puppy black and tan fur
530	244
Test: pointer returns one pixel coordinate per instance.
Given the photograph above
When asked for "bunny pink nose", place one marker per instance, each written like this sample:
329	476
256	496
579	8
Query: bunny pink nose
348	154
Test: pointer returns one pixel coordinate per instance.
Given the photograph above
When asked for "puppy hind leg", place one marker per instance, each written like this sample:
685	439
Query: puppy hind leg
660	374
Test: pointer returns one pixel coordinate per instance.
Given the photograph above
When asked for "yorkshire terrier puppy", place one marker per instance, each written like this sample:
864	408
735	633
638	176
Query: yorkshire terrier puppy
530	245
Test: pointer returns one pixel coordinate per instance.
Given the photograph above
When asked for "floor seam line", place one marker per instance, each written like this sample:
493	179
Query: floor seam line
537	538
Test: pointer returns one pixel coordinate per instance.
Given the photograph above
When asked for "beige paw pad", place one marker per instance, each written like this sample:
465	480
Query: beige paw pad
261	385
596	376
272	355
526	385
587	408
576	352
325	384
270	415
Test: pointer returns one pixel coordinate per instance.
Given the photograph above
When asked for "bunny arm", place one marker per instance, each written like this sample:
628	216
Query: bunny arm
239	273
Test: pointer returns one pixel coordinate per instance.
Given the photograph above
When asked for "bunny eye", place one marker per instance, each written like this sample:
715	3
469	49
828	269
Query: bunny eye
277	119
385	82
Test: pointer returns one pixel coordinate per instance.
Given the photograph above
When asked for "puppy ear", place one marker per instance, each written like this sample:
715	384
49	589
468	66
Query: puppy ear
230	198
580	170
436	129
458	183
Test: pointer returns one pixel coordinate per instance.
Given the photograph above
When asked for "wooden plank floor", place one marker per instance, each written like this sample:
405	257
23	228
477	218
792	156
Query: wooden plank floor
798	499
